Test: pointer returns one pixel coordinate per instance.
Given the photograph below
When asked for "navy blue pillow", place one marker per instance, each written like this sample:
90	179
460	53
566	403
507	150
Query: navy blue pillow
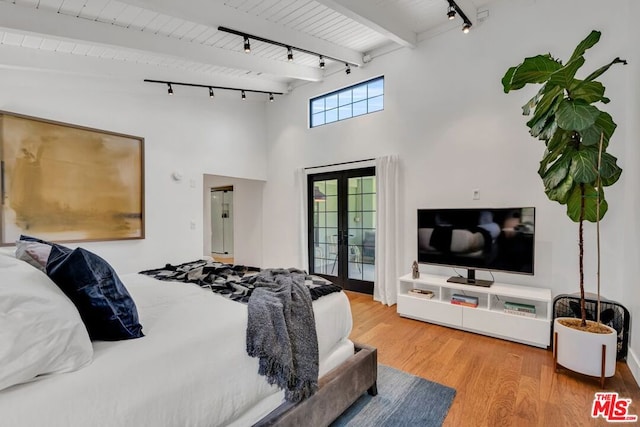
104	304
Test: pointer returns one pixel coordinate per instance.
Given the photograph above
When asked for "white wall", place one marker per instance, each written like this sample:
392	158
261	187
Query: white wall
631	294
247	221
454	129
186	132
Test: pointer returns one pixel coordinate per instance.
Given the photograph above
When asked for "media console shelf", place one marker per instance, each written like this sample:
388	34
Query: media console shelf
488	318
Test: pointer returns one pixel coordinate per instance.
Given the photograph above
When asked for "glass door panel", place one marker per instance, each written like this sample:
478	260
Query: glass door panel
325	227
361	227
342	224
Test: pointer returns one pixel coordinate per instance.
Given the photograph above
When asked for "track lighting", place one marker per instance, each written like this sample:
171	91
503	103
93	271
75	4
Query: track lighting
451	13
211	88
348	69
290	49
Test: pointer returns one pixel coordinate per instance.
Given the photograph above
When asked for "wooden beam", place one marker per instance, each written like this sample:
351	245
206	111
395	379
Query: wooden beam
384	21
58	26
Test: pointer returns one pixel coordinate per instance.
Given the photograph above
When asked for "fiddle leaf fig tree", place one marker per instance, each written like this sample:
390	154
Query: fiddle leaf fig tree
566	119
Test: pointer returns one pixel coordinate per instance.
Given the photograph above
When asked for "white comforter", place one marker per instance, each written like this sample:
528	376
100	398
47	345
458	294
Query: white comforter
191	368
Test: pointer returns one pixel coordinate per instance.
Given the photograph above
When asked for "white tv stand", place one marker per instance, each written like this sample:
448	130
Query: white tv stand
488	318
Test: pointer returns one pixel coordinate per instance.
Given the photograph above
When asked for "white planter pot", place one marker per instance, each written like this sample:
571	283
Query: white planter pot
581	351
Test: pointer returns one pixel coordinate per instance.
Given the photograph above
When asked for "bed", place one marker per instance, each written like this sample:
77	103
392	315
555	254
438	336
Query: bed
191	367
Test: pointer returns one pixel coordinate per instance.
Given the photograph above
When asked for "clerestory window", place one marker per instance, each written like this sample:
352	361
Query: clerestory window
342	104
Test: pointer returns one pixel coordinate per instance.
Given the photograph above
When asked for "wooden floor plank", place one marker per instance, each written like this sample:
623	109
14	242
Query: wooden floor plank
497	382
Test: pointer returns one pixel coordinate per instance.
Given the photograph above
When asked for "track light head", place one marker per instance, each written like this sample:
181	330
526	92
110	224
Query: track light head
247	45
244	96
289	54
270	97
466	27
210	92
169	89
451	13
348	69
321	62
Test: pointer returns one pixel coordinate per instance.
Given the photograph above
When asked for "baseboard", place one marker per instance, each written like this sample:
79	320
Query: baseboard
634	365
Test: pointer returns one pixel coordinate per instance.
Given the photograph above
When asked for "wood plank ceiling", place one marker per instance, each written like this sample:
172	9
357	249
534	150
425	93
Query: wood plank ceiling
180	41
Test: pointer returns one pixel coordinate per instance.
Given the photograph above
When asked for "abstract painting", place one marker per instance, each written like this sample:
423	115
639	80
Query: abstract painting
66	183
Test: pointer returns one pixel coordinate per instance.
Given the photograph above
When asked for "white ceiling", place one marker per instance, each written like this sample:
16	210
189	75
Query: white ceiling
180	41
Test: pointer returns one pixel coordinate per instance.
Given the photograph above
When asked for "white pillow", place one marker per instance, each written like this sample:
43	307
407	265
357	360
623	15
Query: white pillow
40	329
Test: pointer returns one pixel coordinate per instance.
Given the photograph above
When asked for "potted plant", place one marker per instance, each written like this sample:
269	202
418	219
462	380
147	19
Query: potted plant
574	169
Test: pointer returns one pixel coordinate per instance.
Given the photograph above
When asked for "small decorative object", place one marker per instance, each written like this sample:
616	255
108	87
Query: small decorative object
421	293
415	272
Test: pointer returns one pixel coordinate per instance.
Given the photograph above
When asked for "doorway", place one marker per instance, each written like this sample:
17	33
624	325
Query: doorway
222	223
342	227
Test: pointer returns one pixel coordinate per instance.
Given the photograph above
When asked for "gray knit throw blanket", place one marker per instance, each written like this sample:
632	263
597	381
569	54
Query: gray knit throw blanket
288	351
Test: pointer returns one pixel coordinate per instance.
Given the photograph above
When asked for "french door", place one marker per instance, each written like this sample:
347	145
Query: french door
342	227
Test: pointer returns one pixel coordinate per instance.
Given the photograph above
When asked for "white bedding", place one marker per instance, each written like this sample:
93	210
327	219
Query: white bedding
191	368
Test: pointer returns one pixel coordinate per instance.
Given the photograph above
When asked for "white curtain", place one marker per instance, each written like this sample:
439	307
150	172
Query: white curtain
301	201
387	230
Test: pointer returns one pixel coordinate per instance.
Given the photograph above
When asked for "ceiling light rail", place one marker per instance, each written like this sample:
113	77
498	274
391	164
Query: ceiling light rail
289	48
451	14
243	92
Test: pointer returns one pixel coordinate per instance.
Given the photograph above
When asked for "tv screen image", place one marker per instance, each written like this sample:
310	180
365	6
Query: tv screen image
496	239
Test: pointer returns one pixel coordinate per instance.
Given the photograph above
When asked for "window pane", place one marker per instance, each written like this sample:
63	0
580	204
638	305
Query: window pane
317	119
331	116
331	101
344	112
355	203
369	202
369	184
317	105
355	236
369	219
344	97
321	235
354	185
331	188
359	93
376	104
376	88
332	203
360	108
332	219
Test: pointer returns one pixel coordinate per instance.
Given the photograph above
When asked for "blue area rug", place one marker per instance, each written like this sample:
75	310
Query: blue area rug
402	400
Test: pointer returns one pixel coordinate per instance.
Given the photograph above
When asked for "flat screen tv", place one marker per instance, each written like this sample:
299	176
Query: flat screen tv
495	239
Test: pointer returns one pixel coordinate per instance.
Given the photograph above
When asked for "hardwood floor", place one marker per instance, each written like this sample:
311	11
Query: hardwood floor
497	382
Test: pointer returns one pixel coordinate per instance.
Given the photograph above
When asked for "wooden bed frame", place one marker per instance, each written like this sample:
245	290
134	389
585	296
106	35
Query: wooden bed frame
337	390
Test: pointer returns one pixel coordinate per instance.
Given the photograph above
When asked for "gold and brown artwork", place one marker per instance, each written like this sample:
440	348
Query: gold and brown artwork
68	183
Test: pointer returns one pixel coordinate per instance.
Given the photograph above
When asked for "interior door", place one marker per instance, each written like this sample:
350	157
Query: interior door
342	227
222	220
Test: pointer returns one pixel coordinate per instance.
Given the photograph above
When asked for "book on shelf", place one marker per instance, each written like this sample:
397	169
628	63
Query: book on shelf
516	306
520	313
422	293
465	298
464	303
